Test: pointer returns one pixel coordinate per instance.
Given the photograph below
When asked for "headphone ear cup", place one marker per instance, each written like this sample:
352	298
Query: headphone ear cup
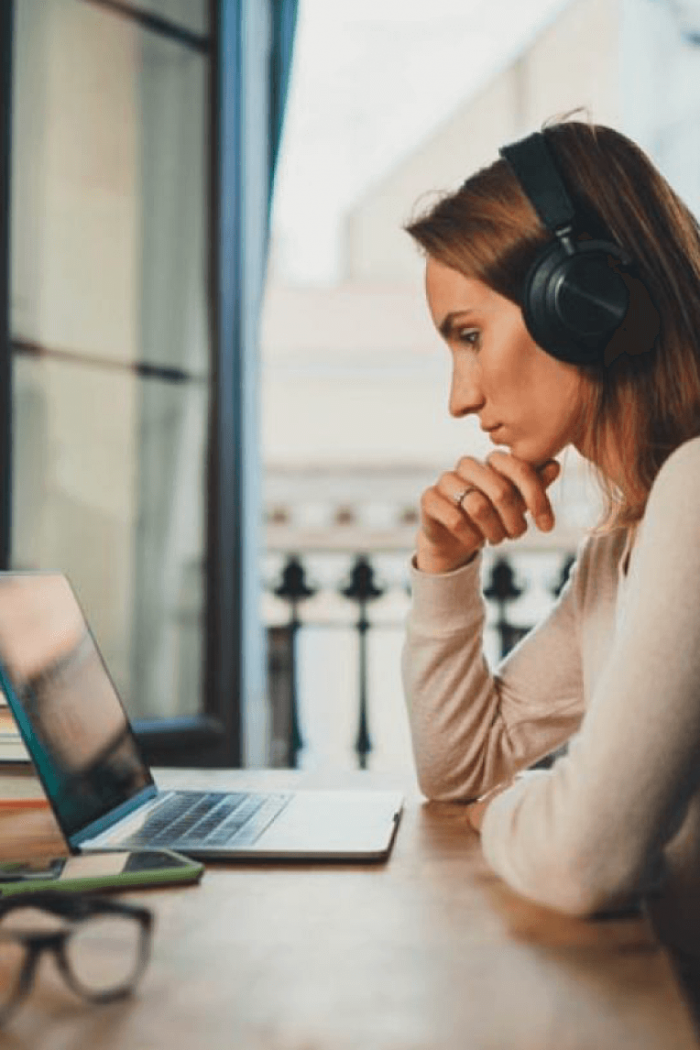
573	301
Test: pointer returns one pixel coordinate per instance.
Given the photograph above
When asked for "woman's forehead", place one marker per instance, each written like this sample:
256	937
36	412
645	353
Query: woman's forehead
448	290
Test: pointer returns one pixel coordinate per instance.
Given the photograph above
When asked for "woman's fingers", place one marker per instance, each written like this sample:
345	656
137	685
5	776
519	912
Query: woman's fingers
477	506
443	518
503	490
493	503
482	502
530	483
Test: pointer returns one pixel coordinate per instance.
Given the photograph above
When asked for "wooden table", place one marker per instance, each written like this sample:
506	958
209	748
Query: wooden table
429	950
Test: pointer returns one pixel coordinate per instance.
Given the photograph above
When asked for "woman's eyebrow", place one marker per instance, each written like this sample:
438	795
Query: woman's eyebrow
448	322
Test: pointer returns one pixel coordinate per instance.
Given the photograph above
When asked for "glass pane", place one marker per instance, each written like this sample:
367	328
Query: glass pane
190	14
109	183
109	228
80	505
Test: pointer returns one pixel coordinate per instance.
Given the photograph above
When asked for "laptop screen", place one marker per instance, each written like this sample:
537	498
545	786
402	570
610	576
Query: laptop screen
64	701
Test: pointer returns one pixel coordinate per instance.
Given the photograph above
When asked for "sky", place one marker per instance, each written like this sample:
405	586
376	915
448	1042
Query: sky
371	79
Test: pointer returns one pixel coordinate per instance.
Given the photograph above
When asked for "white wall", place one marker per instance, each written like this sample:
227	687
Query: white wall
573	62
660	91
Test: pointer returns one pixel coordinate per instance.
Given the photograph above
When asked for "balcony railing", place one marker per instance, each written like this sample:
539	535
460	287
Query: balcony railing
338	699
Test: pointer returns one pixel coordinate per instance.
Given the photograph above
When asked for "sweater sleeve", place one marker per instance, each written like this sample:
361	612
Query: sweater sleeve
588	834
472	729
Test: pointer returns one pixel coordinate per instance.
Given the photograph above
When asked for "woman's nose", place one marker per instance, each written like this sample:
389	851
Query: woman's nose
465	396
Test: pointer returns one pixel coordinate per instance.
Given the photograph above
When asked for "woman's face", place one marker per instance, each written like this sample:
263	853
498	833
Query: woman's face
498	370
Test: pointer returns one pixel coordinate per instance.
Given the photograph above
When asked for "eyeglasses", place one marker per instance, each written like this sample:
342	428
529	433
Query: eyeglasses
101	946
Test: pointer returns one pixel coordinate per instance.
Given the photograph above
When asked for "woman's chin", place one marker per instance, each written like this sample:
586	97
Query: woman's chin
531	452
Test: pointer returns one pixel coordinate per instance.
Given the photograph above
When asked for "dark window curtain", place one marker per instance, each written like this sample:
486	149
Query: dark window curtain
255	41
284	16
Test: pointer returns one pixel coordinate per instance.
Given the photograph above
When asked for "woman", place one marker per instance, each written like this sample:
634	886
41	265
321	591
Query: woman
615	668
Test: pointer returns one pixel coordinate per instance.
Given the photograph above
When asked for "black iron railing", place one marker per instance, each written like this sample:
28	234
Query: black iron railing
505	587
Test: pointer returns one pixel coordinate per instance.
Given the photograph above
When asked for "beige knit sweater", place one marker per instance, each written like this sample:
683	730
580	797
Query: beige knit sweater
615	670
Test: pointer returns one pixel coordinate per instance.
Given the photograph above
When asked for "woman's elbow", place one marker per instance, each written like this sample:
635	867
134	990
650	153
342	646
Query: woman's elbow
582	891
587	903
578	900
442	779
437	785
433	787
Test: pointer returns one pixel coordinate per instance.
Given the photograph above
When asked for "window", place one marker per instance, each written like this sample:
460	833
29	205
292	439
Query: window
136	242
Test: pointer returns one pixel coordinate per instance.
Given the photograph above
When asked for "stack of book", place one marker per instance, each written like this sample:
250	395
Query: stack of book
17	774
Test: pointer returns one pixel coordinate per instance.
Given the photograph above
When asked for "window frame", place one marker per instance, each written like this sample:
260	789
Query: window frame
232	651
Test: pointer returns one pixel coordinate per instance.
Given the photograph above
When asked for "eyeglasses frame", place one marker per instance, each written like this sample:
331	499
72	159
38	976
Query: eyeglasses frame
77	908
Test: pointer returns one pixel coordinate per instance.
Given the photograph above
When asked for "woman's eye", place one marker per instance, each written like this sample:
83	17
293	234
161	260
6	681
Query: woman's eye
468	336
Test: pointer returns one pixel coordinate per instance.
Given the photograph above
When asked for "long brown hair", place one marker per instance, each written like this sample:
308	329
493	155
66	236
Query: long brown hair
637	408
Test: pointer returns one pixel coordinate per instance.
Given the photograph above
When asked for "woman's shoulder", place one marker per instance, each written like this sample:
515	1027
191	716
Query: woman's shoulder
596	560
688	453
600	553
672	513
675	494
679	473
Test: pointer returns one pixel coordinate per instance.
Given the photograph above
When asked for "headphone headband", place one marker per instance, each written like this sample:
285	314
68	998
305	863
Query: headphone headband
535	168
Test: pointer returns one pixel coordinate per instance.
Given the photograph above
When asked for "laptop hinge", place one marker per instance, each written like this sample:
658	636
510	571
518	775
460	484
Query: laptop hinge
116	817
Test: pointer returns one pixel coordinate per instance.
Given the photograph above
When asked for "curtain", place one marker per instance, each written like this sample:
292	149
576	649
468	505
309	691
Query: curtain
284	16
255	53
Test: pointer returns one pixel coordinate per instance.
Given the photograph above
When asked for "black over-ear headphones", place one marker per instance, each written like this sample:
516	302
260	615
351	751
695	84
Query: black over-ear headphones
572	299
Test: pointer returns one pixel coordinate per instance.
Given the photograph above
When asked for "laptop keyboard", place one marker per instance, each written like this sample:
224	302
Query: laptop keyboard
191	820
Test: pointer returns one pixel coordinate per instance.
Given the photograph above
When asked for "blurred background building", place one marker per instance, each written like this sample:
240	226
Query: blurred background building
175	450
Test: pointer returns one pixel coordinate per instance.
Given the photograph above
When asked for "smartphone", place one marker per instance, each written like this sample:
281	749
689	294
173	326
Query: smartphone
100	870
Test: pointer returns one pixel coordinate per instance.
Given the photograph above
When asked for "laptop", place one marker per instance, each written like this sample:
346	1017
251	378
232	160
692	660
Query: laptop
101	789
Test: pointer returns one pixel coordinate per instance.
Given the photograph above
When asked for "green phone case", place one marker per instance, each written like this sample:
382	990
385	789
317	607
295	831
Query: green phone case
190	871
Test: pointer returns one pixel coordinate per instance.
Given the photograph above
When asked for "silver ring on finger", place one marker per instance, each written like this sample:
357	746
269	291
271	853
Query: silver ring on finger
460	496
